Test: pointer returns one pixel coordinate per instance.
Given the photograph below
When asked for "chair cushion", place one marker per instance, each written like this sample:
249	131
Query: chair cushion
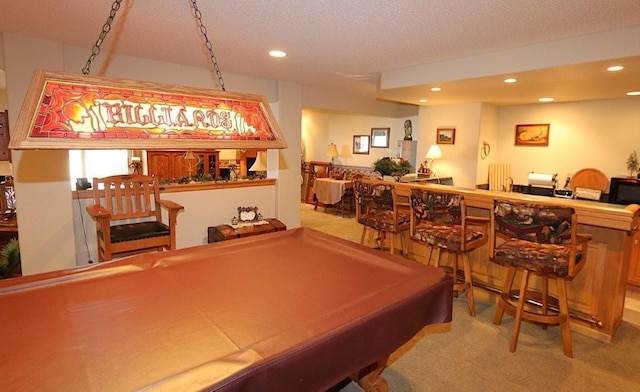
137	231
444	236
545	259
383	220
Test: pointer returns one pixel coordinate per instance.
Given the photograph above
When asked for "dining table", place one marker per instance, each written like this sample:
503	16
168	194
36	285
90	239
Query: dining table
329	191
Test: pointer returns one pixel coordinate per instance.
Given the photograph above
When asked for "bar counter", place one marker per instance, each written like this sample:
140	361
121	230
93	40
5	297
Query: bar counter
597	294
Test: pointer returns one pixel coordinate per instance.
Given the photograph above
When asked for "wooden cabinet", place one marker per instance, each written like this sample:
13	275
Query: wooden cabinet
5	153
173	165
634	262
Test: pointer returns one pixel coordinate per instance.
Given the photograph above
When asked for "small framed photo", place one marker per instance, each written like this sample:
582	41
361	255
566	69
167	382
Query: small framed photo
380	137
446	136
361	144
532	135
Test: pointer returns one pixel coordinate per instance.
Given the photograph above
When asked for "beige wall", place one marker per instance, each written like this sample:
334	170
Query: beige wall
319	129
51	231
599	134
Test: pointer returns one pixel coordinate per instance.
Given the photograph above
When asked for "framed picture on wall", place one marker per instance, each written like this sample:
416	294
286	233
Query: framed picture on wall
446	136
532	135
361	144
380	137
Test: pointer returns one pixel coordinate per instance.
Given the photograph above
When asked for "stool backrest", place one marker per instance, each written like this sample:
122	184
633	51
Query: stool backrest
373	196
541	223
436	207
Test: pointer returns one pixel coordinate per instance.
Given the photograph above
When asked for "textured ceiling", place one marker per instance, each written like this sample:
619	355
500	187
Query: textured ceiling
345	45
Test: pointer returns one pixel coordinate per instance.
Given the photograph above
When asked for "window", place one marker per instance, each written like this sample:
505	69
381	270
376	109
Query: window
96	163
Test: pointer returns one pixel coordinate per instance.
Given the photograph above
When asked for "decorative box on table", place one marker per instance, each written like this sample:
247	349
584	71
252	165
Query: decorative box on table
249	222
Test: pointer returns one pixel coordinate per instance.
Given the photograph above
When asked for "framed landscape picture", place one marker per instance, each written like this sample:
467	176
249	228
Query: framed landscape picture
361	144
446	136
380	137
532	135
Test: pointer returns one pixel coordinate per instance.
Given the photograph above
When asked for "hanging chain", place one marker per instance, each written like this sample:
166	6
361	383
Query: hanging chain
103	34
203	30
95	51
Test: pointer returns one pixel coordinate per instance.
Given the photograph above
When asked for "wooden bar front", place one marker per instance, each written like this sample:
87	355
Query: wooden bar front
597	294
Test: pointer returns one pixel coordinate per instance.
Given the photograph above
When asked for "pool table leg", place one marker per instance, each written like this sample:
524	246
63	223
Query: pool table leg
370	379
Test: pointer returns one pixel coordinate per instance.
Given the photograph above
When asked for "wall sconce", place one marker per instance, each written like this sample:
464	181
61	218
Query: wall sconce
433	153
332	152
260	165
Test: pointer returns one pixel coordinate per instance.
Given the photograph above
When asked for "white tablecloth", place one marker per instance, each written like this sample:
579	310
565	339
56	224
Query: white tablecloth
328	190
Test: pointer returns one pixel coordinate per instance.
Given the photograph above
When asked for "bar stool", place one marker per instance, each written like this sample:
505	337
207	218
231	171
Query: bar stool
377	209
538	240
439	220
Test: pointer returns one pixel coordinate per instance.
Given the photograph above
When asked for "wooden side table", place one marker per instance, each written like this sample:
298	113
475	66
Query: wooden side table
228	232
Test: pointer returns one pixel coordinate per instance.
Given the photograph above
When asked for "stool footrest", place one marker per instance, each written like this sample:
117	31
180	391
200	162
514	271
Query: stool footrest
553	317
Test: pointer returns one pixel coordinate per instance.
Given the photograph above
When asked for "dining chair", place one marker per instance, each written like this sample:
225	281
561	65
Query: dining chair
347	204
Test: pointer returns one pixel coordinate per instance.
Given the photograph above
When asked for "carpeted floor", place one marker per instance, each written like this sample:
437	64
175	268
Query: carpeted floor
473	354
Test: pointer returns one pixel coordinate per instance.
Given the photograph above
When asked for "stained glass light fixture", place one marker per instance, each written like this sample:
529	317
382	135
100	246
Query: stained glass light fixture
70	111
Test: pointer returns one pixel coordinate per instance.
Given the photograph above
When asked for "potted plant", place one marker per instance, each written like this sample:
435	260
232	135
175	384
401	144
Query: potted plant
10	259
632	163
396	167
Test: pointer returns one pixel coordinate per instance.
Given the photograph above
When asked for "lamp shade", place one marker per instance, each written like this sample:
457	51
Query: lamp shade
6	168
261	162
434	152
332	151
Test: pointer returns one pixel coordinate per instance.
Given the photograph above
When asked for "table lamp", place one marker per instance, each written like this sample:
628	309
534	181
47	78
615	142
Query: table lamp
260	164
332	152
433	153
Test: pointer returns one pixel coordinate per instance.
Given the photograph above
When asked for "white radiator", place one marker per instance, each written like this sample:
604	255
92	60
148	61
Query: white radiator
499	174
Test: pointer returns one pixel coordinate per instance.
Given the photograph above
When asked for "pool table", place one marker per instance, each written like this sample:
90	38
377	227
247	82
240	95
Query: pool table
295	310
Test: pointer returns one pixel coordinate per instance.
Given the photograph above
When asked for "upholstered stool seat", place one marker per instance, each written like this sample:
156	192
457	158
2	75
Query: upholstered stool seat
542	259
384	220
440	221
539	240
449	237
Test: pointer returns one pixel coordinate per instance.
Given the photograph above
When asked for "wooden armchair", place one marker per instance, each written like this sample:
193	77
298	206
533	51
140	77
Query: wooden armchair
129	217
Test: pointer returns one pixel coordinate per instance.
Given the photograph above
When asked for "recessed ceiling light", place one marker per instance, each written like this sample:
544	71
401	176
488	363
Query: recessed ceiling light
423	100
634	93
435	89
510	80
615	68
545	99
277	53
